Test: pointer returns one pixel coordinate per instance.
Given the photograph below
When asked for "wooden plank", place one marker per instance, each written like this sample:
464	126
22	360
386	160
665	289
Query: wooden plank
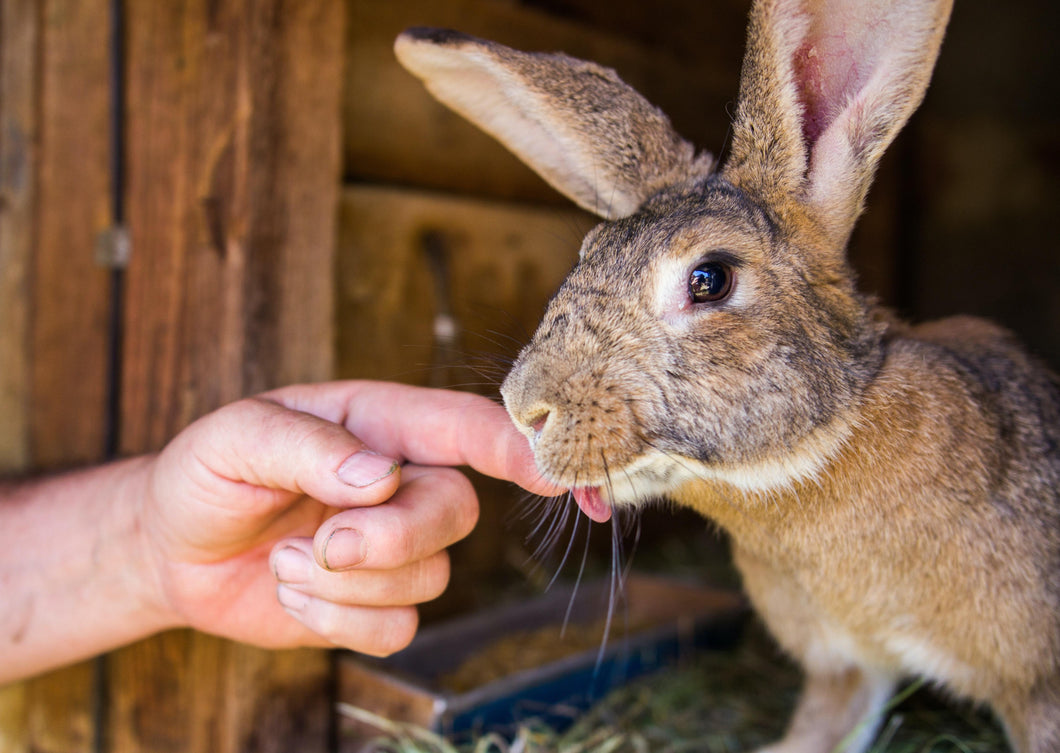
185	115
396	133
233	124
13	729
19	83
310	172
502	263
19	100
53	297
71	291
233	181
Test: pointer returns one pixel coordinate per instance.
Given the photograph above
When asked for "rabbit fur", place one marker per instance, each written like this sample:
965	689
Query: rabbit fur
891	491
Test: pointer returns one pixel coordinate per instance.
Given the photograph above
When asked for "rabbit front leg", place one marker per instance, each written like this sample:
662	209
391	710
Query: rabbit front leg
841	699
837	708
1032	719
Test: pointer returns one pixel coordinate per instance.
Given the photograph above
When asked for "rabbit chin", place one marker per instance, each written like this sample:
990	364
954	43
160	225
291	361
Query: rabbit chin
656	474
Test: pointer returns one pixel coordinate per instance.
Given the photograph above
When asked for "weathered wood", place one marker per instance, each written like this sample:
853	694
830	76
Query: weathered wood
71	291
309	171
504	260
19	83
13	728
53	297
233	123
396	133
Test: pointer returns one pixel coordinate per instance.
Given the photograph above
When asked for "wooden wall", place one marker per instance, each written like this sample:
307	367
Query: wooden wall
299	208
232	149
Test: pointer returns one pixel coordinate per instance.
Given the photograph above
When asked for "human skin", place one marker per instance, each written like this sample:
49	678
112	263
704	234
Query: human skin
313	515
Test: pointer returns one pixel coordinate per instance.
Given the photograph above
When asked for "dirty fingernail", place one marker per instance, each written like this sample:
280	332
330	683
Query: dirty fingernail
344	548
364	468
291	599
291	565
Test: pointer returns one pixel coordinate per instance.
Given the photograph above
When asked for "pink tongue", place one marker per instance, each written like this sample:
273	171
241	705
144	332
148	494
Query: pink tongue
591	503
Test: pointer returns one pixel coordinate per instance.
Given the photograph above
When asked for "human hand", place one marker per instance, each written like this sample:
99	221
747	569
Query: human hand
302	485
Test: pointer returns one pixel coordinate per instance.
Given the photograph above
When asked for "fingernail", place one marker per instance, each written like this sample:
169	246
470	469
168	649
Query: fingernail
291	565
344	548
291	599
364	468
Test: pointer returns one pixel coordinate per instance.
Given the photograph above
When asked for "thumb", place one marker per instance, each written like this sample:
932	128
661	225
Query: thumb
258	442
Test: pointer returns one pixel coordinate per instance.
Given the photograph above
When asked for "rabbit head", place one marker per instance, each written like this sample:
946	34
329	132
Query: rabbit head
711	328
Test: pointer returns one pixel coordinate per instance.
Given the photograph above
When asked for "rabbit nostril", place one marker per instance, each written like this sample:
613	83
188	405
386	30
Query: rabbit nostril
539	423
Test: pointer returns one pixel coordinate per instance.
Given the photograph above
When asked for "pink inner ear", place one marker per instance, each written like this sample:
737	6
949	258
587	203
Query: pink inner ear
835	61
810	78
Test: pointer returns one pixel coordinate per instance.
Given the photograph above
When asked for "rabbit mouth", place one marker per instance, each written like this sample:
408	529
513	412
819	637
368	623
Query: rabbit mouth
592	503
653	476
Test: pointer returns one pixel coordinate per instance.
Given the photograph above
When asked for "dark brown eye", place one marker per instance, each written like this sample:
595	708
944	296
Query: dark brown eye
710	282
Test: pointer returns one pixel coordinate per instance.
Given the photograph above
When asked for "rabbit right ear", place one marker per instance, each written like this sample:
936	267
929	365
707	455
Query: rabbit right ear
587	133
825	88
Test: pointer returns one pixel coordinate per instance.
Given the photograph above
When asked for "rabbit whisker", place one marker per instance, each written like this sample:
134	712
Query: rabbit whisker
570	545
577	580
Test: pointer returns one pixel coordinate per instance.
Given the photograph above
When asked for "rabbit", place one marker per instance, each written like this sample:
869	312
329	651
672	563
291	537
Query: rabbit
890	490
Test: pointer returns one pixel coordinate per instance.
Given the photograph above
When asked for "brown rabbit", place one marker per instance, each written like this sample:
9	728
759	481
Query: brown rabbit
891	491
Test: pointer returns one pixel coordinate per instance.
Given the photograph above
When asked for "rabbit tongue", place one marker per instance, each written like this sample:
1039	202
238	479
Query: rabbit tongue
592	503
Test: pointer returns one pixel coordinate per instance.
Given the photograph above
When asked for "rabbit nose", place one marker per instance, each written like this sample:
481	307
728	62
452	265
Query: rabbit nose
538	423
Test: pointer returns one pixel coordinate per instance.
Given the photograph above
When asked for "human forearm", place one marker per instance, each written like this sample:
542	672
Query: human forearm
75	575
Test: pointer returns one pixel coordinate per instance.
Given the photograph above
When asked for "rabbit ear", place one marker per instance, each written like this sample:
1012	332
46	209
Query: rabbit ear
826	86
577	124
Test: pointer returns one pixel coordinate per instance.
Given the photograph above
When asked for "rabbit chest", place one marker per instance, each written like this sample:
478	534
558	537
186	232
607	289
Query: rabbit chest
914	548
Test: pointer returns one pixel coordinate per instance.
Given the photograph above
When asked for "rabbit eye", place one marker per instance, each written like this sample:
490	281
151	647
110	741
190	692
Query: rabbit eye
710	282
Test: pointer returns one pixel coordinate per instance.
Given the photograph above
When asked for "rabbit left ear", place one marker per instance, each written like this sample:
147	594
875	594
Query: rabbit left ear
587	133
826	86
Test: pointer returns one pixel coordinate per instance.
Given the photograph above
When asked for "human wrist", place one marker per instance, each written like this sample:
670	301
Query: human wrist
137	566
78	573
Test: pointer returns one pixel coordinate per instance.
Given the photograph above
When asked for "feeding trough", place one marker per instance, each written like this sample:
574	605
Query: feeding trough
544	658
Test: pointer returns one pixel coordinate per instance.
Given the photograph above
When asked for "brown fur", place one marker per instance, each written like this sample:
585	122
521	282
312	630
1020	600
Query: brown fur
892	492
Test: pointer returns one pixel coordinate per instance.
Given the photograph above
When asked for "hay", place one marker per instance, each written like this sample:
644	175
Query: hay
526	649
723	702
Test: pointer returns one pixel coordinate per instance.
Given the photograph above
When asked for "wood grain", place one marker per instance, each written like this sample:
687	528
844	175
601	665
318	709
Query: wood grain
233	126
54	299
504	262
19	82
71	300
